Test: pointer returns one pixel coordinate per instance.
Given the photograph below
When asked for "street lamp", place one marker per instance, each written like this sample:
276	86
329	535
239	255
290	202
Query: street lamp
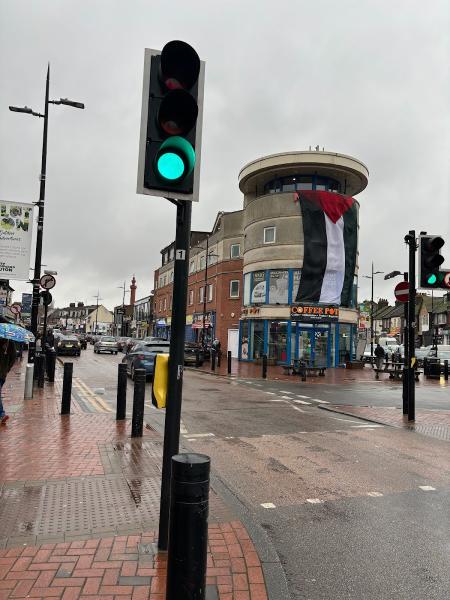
122	287
96	311
40	204
208	254
371	311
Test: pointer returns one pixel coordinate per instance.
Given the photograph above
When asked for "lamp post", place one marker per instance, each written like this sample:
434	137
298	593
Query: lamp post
208	254
122	287
40	204
371	310
96	311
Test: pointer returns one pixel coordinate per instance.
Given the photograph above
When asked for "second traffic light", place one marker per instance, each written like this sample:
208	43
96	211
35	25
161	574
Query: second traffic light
169	157
430	259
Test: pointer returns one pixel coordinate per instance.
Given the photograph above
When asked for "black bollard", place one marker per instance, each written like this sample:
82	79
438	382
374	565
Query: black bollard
137	420
197	358
39	365
229	362
121	407
425	367
188	527
264	366
51	363
67	388
219	357
405	390
213	359
446	370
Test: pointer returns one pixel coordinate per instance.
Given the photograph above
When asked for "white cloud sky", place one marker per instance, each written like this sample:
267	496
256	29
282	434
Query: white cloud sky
368	78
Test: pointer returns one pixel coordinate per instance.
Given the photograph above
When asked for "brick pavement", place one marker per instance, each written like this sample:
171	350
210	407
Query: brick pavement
40	450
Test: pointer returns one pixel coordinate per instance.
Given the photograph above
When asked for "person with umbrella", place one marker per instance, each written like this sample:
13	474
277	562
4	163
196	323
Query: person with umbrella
7	359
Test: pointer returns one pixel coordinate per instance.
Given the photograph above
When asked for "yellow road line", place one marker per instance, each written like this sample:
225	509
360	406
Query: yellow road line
91	396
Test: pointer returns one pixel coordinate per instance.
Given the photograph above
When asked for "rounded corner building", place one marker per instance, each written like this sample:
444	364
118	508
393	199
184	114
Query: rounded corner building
300	262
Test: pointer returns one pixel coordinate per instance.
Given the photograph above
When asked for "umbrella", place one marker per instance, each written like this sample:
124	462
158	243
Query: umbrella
15	333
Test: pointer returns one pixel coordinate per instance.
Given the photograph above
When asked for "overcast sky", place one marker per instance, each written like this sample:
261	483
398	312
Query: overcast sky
368	78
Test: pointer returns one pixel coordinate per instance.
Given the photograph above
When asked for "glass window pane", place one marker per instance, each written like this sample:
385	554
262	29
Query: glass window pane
296	284
278	340
258	288
257	345
247	290
278	287
269	235
244	340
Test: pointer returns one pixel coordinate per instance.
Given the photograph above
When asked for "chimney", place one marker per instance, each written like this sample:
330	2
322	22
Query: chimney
133	291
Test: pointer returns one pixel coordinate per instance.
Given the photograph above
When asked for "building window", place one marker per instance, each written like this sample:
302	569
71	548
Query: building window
278	286
235	250
257	339
165	303
278	340
171	254
160	305
247	290
201	294
191	297
210	292
192	266
234	288
269	235
171	276
258	287
202	262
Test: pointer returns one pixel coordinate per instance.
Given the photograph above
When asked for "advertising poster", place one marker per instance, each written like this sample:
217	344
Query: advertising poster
278	287
15	240
258	295
26	304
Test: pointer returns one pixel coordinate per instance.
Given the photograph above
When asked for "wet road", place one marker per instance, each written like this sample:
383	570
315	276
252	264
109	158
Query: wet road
354	510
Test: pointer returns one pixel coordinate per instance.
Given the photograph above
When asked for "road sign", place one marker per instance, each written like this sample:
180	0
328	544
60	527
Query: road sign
15	309
401	291
46	298
47	282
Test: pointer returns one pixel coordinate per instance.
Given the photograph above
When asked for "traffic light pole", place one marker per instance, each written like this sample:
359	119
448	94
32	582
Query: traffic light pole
176	363
411	241
406	359
40	228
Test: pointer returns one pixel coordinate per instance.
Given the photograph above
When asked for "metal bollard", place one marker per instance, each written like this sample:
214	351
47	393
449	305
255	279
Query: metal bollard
39	361
137	420
197	359
67	388
229	362
213	360
425	367
188	527
121	407
28	390
264	366
51	363
219	357
446	370
405	390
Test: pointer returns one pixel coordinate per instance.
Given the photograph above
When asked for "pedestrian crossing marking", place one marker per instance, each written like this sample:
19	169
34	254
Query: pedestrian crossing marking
374	494
268	505
427	488
302	402
300	396
314	500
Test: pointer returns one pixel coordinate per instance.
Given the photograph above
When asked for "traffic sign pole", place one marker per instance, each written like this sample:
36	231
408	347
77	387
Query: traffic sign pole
411	241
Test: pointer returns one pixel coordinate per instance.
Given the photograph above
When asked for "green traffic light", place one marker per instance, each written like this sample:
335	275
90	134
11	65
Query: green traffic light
170	166
175	159
431	279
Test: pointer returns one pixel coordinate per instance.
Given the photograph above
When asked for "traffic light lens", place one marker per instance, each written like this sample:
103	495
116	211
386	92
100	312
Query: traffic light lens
431	279
178	113
170	166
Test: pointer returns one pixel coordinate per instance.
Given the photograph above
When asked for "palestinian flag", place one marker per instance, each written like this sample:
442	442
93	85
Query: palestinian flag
330	230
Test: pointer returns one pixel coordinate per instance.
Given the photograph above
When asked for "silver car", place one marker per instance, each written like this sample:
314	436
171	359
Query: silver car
106	343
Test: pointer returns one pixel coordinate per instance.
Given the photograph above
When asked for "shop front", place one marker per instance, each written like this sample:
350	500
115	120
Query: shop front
314	335
202	327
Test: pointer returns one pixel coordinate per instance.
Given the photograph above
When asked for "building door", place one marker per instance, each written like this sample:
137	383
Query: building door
304	344
313	344
233	342
320	346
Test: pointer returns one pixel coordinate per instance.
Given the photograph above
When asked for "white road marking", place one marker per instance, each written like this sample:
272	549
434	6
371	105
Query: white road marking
275	400
286	397
285	392
320	401
314	500
302	402
268	505
374	494
427	488
183	428
271	393
229	437
201	435
298	408
300	396
365	426
346	420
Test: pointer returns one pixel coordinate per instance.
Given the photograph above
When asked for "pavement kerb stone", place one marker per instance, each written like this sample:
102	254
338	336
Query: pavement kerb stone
350	414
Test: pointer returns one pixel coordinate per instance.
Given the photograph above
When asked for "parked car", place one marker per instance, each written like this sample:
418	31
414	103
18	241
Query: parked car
106	343
82	339
122	343
131	342
190	354
421	353
443	355
67	345
142	356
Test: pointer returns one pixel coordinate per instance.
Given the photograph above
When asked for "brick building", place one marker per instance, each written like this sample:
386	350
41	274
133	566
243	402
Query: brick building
214	296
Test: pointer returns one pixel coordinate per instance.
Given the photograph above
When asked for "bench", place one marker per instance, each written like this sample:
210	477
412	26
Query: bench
298	369
395	373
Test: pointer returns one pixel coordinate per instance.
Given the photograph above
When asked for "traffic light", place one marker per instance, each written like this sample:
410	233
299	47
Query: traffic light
430	276
170	141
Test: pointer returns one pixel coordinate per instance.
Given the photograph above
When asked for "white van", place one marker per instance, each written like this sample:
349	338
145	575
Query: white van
387	342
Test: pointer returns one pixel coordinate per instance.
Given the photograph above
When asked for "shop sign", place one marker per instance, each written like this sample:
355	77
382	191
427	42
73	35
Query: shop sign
253	310
258	294
314	312
188	319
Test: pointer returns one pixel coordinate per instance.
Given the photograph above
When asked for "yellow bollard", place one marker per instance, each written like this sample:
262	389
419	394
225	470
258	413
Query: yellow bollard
160	380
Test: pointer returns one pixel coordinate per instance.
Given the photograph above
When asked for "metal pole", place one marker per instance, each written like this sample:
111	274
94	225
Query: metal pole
204	294
264	366
229	362
28	390
371	322
188	535
412	326
40	228
176	362
121	407
123	311
213	359
137	419
405	378
96	313
67	388
446	370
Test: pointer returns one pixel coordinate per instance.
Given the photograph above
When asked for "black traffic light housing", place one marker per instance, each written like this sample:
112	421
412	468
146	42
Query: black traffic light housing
170	140
430	260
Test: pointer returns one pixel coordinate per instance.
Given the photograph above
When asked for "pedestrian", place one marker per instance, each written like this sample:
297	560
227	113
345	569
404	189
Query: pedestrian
7	359
49	340
216	345
379	356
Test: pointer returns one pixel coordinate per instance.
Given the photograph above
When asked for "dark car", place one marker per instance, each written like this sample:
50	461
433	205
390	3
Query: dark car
122	343
68	345
142	356
132	342
191	349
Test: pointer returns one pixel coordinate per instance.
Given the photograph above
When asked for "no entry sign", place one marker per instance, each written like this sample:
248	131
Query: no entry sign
401	291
